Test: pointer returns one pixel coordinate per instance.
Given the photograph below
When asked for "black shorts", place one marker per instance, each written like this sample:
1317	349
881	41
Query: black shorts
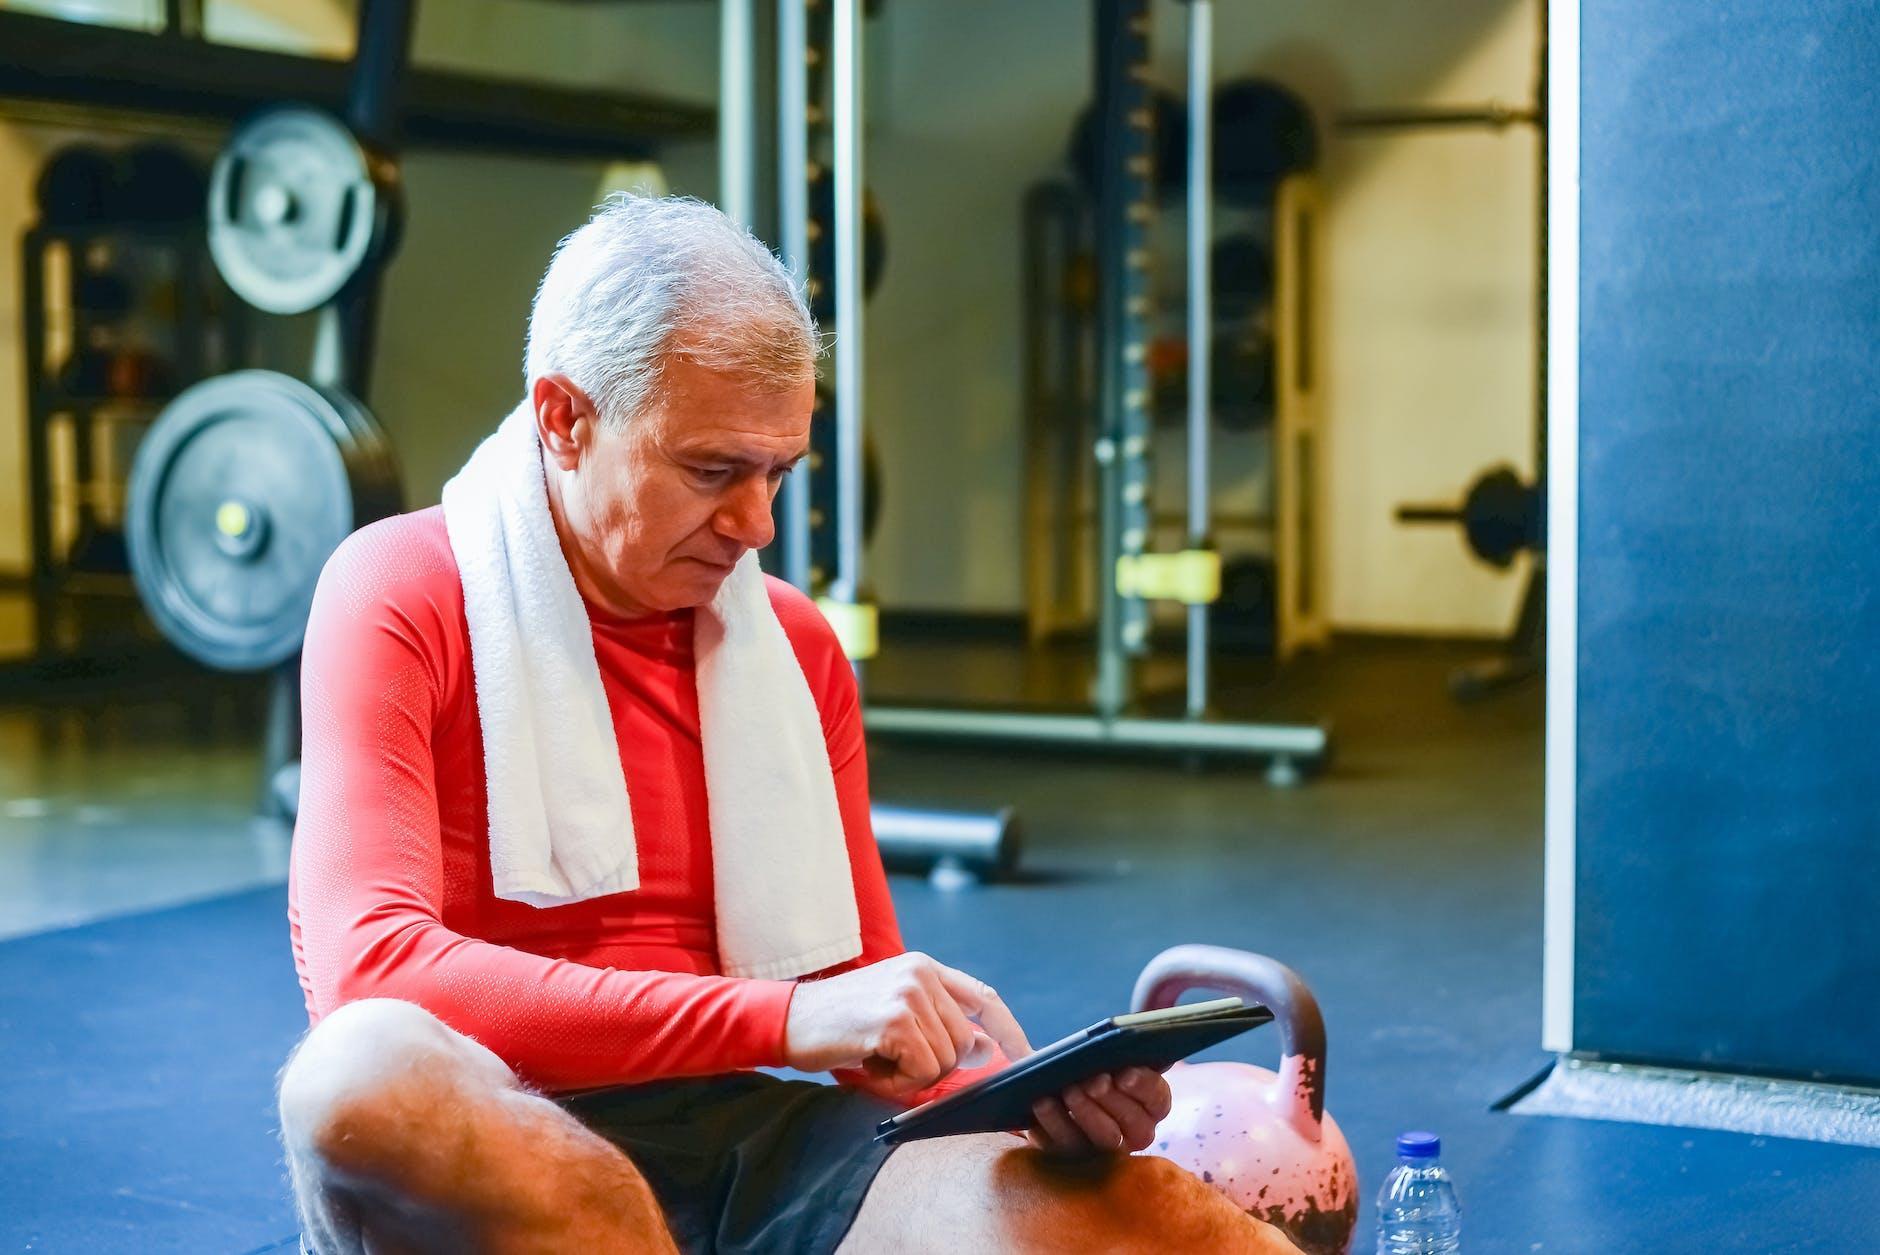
746	1162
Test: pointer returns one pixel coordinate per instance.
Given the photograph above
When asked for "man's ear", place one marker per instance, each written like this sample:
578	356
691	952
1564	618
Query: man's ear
565	419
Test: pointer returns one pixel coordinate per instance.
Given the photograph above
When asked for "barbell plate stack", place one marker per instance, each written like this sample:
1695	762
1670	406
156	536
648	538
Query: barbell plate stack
294	210
240	491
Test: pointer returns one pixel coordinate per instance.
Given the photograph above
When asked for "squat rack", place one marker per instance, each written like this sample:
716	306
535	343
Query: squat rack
959	847
1129	577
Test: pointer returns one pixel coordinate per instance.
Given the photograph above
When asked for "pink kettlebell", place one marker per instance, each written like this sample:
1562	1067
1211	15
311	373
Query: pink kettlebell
1264	1140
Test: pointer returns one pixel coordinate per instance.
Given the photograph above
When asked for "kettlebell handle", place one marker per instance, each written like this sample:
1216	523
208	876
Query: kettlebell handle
1255	978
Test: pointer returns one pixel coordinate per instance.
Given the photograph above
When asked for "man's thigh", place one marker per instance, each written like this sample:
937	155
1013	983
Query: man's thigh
510	1172
993	1192
402	1134
926	1194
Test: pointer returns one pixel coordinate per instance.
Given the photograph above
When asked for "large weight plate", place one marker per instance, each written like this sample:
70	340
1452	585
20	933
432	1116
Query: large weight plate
294	211
241	490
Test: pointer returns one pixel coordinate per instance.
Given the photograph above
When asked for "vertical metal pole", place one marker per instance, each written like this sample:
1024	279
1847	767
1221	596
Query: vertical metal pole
281	734
329	350
373	109
736	110
1200	323
793	236
1541	106
1561	142
383	53
1125	210
846	80
39	437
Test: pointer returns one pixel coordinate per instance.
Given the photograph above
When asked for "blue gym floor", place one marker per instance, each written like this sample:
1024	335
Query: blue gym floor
137	1052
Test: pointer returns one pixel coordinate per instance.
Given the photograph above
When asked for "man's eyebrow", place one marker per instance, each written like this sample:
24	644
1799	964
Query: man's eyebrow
732	457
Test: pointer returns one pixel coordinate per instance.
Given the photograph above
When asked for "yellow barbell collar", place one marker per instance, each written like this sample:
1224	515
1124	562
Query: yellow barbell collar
857	626
1192	576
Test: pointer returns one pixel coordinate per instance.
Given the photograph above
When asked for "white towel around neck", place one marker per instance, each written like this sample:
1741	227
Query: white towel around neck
561	829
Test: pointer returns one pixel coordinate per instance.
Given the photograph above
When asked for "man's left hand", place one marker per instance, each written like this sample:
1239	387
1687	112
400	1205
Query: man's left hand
1112	1111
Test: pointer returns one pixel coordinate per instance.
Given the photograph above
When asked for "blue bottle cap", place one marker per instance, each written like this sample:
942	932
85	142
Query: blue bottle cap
1419	1145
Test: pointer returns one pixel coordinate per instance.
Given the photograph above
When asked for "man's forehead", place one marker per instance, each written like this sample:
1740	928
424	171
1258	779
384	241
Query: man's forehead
729	439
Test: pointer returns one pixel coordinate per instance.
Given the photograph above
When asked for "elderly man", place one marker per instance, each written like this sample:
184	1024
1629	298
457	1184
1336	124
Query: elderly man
536	947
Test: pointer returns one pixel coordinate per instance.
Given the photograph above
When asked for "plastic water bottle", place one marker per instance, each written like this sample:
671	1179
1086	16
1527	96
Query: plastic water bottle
1417	1212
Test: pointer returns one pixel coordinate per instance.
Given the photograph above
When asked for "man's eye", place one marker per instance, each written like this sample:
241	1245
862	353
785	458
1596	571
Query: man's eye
712	474
780	472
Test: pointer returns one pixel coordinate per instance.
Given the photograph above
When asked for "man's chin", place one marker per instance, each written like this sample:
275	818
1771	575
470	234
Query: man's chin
696	583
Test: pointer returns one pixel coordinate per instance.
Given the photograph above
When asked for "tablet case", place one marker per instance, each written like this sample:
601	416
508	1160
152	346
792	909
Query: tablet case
1150	1039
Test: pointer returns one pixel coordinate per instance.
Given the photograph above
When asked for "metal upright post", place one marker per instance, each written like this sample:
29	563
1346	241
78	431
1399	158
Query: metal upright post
793	236
1541	341
736	111
1125	209
846	117
373	110
1200	324
347	329
281	742
380	62
39	442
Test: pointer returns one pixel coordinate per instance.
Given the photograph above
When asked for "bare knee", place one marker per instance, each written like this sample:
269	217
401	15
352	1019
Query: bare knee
1127	1203
425	1140
372	1078
991	1192
1167	1203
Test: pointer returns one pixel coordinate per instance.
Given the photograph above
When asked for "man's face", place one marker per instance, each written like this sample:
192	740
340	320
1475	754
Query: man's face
661	510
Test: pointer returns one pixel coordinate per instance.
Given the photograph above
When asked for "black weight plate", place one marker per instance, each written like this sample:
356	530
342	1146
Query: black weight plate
293	210
161	183
1241	268
78	185
240	492
1499	518
1263	132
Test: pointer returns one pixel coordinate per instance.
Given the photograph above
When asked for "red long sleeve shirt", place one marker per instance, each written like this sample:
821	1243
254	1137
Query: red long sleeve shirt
389	891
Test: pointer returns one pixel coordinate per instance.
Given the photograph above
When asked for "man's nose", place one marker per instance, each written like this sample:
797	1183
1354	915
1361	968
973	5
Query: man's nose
745	517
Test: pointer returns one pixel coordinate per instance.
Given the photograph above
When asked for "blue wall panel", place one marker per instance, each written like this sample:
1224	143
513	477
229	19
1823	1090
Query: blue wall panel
1728	896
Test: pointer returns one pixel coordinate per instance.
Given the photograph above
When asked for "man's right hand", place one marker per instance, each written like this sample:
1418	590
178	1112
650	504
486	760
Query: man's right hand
905	1021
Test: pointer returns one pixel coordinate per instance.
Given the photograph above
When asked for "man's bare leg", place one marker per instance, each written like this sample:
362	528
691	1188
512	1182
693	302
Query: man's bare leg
403	1136
990	1192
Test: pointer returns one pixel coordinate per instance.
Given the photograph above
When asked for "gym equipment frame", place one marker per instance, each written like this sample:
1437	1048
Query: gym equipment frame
958	848
1128	577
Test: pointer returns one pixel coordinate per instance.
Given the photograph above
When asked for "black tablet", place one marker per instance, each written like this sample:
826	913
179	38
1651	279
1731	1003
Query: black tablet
1148	1039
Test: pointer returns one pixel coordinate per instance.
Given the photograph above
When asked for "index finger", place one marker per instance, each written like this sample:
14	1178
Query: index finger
978	1000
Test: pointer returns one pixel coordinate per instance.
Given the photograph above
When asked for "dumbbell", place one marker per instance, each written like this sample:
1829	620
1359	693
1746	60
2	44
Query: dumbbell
1500	517
1262	133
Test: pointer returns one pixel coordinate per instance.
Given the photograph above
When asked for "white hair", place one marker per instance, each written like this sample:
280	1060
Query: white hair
650	278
